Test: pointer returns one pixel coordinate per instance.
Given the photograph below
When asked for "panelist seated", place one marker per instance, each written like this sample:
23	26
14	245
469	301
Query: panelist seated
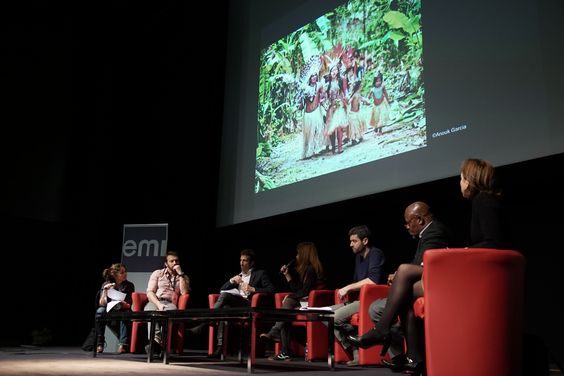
164	287
369	262
115	294
303	274
237	292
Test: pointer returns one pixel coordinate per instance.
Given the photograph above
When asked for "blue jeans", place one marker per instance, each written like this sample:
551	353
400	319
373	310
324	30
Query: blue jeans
123	328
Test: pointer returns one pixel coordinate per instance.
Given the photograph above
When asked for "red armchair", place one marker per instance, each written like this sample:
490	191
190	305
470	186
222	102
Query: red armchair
473	310
341	355
315	335
257	300
368	293
139	301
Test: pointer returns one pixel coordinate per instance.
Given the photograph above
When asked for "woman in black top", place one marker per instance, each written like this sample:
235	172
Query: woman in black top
477	183
307	275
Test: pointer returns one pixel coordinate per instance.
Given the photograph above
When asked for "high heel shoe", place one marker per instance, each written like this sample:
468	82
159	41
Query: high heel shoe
402	363
413	368
371	338
396	363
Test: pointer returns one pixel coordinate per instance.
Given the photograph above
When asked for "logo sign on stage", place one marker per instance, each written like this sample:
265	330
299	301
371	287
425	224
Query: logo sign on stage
144	246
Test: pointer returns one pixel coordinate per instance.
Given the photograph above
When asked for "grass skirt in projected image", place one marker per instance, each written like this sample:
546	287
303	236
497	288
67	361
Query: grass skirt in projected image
380	115
314	140
337	118
357	126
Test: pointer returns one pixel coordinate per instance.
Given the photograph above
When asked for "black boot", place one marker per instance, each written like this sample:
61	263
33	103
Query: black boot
371	338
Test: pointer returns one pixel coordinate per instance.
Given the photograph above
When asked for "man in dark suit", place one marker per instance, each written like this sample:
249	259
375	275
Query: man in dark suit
421	224
237	291
431	234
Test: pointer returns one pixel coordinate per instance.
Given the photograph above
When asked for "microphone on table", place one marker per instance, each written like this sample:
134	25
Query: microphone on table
289	265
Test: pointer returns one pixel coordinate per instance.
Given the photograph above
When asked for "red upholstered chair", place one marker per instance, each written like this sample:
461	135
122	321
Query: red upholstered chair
367	294
315	333
139	301
473	309
419	307
341	355
257	300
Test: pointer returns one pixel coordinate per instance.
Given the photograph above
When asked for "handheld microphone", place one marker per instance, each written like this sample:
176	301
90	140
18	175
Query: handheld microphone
289	265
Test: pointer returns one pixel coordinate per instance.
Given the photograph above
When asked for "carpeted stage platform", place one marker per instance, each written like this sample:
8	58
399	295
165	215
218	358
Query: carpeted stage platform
27	360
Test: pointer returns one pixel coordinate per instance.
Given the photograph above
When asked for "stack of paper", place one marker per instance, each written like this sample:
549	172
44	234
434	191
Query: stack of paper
116	296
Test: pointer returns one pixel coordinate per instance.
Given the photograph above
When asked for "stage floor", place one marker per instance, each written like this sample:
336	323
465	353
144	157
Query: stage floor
28	360
70	361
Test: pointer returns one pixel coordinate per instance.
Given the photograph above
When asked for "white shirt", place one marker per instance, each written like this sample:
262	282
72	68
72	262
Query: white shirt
246	278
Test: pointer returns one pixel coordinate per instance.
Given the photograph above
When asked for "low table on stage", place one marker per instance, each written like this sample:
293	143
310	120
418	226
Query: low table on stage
245	315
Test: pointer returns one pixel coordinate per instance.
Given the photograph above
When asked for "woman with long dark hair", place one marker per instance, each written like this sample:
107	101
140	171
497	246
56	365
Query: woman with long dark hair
302	276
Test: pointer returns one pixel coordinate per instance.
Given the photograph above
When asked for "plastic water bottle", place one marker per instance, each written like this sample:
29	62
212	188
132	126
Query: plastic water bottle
305	353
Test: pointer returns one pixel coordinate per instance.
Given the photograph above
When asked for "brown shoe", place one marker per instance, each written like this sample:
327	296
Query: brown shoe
100	348
354	362
270	336
122	349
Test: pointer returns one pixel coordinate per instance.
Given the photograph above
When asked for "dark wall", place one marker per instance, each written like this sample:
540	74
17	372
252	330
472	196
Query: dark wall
106	131
112	118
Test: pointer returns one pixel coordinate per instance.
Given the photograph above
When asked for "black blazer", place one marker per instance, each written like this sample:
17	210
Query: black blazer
259	280
435	236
